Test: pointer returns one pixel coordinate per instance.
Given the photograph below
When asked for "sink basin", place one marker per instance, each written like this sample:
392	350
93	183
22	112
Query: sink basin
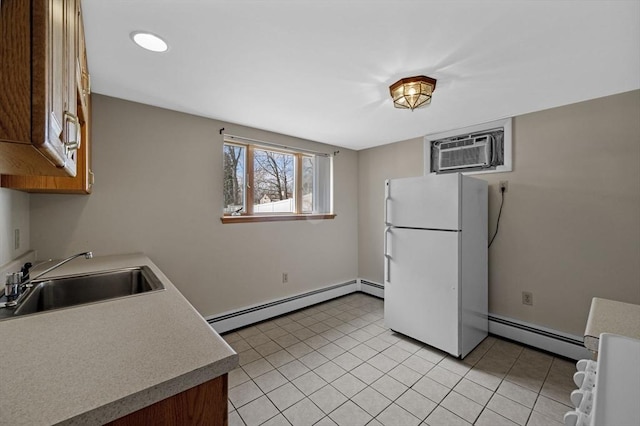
68	291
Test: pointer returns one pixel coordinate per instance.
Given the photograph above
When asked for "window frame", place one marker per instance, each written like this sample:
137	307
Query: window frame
249	216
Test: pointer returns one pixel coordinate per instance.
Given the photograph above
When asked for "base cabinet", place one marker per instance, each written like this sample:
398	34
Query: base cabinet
205	404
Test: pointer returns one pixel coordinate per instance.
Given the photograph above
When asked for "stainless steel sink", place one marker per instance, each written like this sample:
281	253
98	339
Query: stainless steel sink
68	291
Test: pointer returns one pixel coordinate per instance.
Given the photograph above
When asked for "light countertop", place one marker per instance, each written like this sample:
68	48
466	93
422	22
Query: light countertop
610	316
95	363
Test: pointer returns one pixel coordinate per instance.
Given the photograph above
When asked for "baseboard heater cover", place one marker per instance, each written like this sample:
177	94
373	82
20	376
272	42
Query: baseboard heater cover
546	339
557	342
243	317
371	288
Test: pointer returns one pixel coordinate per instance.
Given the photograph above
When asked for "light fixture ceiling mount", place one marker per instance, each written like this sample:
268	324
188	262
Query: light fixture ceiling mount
412	92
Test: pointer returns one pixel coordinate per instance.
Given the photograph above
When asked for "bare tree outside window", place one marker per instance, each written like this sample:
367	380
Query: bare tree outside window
234	163
273	176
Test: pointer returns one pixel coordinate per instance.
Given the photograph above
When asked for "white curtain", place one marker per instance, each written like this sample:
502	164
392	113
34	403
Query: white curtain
322	184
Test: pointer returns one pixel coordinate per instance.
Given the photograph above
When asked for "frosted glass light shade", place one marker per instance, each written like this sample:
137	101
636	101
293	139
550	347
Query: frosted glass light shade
412	92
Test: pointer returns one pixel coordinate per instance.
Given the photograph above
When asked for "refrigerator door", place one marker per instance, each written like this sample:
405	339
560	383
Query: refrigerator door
421	286
430	202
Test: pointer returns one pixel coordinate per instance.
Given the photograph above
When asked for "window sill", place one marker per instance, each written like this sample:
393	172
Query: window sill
275	218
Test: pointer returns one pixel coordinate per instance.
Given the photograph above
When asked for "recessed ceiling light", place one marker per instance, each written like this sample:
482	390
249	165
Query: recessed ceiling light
149	41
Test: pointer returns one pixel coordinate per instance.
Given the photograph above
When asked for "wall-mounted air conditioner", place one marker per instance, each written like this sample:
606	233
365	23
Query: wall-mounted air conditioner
485	148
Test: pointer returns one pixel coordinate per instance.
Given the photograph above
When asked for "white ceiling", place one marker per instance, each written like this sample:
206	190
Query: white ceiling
320	69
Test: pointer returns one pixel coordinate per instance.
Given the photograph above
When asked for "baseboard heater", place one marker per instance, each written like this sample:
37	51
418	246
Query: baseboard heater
549	340
371	288
556	342
243	317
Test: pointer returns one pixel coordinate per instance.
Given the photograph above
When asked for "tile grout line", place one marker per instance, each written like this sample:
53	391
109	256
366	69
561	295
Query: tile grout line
351	324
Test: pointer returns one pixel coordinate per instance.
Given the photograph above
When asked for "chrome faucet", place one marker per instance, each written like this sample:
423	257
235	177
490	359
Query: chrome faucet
20	289
86	254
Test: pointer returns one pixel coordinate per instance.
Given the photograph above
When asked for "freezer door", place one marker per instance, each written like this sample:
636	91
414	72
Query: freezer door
421	286
423	202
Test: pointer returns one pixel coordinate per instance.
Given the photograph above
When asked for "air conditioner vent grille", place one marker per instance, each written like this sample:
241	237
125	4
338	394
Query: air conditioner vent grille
481	148
449	145
470	157
477	151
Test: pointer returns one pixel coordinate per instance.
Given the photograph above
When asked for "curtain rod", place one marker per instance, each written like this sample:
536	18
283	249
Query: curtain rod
274	145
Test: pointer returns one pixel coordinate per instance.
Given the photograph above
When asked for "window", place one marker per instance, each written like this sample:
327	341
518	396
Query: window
234	178
271	183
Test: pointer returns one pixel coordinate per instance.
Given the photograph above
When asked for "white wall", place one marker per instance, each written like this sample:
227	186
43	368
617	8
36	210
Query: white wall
158	190
570	227
14	214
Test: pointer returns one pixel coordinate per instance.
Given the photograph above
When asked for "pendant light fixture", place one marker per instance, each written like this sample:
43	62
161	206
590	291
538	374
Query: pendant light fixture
412	92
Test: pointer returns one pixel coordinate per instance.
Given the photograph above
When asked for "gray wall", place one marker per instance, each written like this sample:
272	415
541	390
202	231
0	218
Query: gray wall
570	227
14	214
396	160
159	191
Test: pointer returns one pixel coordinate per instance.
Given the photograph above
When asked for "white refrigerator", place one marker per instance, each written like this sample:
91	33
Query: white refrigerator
435	253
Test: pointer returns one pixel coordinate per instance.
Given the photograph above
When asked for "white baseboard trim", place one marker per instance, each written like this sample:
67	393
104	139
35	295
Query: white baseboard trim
253	314
533	335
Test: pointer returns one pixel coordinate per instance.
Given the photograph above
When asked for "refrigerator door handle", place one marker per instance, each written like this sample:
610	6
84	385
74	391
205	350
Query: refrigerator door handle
387	256
386	231
387	198
388	277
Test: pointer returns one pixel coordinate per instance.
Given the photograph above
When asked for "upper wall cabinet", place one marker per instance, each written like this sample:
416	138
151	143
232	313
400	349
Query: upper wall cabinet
44	96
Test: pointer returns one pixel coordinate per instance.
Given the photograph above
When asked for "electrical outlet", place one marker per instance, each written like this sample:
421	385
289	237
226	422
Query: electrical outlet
504	184
527	298
16	239
285	277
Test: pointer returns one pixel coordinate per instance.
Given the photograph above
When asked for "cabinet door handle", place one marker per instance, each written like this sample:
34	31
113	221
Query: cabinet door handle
75	145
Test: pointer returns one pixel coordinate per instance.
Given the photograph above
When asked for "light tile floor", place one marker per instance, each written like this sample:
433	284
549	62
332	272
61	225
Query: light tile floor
336	364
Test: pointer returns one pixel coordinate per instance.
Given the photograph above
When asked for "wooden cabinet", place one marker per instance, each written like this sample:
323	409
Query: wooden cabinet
83	79
205	404
80	184
44	97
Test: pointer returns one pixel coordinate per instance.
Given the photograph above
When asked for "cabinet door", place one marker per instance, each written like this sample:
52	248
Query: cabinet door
82	77
57	73
76	101
15	73
80	184
205	404
53	114
72	130
39	126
